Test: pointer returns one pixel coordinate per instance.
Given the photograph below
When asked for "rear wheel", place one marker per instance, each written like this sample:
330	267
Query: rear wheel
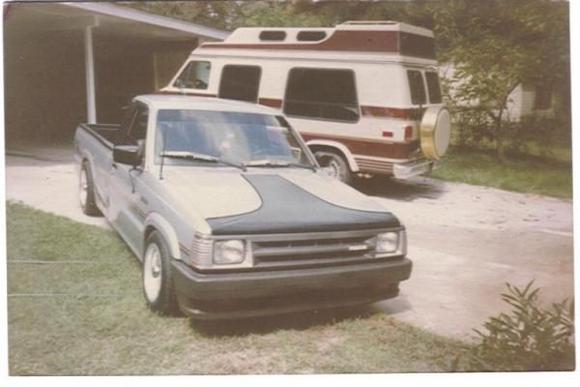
87	191
335	165
157	280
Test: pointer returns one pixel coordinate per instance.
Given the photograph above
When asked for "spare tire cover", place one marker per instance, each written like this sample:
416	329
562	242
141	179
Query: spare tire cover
435	132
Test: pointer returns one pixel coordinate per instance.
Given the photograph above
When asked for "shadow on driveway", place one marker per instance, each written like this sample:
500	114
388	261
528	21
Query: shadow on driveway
404	190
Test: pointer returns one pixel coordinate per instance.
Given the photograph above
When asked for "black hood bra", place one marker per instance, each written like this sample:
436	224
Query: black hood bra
287	208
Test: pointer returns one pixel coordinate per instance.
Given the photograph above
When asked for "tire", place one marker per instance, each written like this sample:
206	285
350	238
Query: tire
335	165
157	280
435	130
87	191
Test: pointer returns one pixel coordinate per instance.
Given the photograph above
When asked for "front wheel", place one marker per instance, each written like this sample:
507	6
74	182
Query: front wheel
335	165
157	280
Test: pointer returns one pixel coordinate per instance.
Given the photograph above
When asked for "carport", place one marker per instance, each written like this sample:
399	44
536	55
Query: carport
66	63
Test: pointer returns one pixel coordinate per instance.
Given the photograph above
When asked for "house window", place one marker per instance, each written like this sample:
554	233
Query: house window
543	99
322	94
417	87
240	83
433	87
194	76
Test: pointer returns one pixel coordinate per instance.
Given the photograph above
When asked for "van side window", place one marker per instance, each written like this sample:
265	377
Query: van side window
194	76
138	130
240	83
321	93
433	87
417	86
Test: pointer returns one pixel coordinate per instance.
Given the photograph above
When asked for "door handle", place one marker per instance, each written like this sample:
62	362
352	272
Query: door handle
114	166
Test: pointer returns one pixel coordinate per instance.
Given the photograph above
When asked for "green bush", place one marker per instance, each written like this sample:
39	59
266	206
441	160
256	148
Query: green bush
529	338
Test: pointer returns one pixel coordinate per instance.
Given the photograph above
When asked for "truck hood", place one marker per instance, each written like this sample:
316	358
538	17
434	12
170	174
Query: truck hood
274	201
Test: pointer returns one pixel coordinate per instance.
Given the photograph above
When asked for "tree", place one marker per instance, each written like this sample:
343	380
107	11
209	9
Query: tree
496	46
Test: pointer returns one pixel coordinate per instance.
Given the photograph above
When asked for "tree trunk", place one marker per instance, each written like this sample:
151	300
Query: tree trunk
499	140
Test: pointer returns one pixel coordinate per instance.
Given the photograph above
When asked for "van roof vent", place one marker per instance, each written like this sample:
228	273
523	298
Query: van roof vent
272	35
310	36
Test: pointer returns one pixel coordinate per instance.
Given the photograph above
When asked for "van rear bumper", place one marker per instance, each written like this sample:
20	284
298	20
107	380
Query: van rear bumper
412	168
249	294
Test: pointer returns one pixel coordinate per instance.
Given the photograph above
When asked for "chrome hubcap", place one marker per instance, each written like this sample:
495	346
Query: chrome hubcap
333	169
83	187
152	272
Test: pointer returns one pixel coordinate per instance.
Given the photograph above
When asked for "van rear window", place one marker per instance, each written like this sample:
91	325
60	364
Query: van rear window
433	87
417	87
322	94
417	46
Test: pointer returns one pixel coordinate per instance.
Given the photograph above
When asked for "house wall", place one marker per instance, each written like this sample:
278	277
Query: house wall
45	91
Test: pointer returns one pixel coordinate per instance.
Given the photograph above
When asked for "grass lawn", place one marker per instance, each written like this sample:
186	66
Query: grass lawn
529	175
75	308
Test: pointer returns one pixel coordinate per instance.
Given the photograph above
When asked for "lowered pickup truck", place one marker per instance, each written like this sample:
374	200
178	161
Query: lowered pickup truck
230	214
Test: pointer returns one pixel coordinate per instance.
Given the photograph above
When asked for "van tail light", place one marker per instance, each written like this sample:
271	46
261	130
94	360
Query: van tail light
408	132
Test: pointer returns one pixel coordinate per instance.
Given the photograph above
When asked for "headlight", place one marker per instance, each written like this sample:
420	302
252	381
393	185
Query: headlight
229	252
390	243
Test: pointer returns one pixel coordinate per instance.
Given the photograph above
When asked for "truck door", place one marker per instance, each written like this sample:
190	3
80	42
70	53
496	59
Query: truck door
126	209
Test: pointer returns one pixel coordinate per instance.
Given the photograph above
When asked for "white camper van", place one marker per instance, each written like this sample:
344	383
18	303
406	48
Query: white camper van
365	96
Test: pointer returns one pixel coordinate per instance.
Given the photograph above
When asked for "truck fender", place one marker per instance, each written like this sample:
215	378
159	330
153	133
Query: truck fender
340	148
155	221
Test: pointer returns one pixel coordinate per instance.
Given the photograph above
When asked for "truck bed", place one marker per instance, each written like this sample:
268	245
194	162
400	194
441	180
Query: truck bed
107	134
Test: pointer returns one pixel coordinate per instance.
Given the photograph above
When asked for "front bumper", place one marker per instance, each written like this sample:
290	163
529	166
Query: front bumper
250	294
412	168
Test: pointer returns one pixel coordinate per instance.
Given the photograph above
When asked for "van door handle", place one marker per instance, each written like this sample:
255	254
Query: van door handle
114	166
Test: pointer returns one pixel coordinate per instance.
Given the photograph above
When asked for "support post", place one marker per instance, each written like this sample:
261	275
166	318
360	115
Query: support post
90	76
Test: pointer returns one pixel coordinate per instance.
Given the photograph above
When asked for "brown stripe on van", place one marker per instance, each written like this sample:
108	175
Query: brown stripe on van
380	111
371	41
369	147
271	102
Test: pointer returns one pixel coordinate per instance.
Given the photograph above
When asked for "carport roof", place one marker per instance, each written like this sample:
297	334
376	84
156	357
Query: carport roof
116	20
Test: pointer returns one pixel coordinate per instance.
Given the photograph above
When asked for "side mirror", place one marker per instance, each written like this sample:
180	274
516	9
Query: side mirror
127	154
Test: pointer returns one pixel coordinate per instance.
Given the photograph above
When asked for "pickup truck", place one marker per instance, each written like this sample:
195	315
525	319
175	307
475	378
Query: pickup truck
230	214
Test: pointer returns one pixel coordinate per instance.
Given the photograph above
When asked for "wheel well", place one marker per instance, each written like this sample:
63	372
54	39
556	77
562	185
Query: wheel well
330	149
148	231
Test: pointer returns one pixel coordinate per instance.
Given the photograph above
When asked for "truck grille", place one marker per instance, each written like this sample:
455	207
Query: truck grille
313	251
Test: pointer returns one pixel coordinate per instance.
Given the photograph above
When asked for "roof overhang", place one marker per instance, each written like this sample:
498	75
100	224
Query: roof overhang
111	19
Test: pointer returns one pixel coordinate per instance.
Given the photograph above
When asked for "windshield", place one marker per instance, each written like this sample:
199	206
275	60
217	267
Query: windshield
185	137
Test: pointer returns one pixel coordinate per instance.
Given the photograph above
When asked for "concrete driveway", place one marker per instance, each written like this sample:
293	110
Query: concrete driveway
466	241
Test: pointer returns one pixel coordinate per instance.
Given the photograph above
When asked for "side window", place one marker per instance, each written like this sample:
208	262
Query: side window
417	86
138	129
194	76
240	82
433	87
322	94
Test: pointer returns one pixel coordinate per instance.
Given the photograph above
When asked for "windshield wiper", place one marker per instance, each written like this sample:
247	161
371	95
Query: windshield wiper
276	164
200	157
